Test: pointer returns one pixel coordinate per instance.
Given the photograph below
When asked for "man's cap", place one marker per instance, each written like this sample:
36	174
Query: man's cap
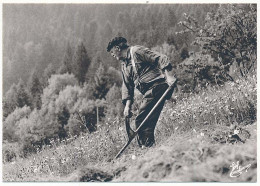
115	42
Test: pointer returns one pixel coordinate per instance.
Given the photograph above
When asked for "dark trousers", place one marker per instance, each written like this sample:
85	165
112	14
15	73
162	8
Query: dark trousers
146	133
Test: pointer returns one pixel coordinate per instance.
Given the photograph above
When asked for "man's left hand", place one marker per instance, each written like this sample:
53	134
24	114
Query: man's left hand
171	80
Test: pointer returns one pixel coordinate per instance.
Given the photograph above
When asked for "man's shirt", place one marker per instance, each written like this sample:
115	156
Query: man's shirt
149	65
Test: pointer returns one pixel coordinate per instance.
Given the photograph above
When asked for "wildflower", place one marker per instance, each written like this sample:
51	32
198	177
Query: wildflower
232	84
206	123
236	131
35	170
174	112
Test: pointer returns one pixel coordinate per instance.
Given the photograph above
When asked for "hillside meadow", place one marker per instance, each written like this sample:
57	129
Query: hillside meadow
196	131
62	109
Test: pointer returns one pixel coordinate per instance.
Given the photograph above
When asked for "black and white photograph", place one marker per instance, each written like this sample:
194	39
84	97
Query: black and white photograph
143	92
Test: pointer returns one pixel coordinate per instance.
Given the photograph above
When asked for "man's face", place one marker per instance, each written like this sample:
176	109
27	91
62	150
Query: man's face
116	53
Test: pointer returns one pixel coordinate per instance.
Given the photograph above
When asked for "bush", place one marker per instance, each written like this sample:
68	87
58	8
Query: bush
198	71
10	151
171	52
56	84
33	130
11	126
229	35
114	106
16	96
75	126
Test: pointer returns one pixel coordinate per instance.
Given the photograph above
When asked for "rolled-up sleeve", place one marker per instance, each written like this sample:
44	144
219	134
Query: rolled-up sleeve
154	57
164	63
127	89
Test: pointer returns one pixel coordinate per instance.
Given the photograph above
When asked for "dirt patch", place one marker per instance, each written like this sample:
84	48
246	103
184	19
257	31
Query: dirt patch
90	175
231	135
119	171
159	170
95	175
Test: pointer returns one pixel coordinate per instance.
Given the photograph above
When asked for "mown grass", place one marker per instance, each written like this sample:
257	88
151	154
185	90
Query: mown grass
192	157
234	102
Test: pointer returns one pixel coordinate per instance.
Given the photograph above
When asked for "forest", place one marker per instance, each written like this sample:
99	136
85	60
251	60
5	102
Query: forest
60	82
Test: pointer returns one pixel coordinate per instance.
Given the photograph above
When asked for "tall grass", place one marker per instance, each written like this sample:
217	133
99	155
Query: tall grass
234	102
229	104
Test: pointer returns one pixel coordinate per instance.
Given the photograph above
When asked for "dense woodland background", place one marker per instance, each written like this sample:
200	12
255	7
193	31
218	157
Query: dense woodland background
36	36
56	68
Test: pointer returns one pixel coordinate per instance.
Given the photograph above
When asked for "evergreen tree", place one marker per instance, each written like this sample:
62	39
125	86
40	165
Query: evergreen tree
10	101
23	98
81	62
95	63
16	96
48	71
115	76
66	66
84	30
101	83
48	53
62	119
120	22
92	40
106	34
35	90
128	25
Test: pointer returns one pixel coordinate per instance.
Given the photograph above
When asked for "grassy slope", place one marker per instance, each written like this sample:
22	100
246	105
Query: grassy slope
192	157
191	145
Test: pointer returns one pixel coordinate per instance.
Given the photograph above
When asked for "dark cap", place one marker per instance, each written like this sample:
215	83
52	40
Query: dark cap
115	42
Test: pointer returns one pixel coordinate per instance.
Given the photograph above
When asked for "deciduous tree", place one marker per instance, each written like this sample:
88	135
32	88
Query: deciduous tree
229	35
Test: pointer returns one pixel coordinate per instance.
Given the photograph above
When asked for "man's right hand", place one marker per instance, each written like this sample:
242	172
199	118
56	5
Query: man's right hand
127	111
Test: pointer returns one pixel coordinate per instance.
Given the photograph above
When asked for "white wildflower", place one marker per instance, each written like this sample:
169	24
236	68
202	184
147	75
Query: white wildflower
236	131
